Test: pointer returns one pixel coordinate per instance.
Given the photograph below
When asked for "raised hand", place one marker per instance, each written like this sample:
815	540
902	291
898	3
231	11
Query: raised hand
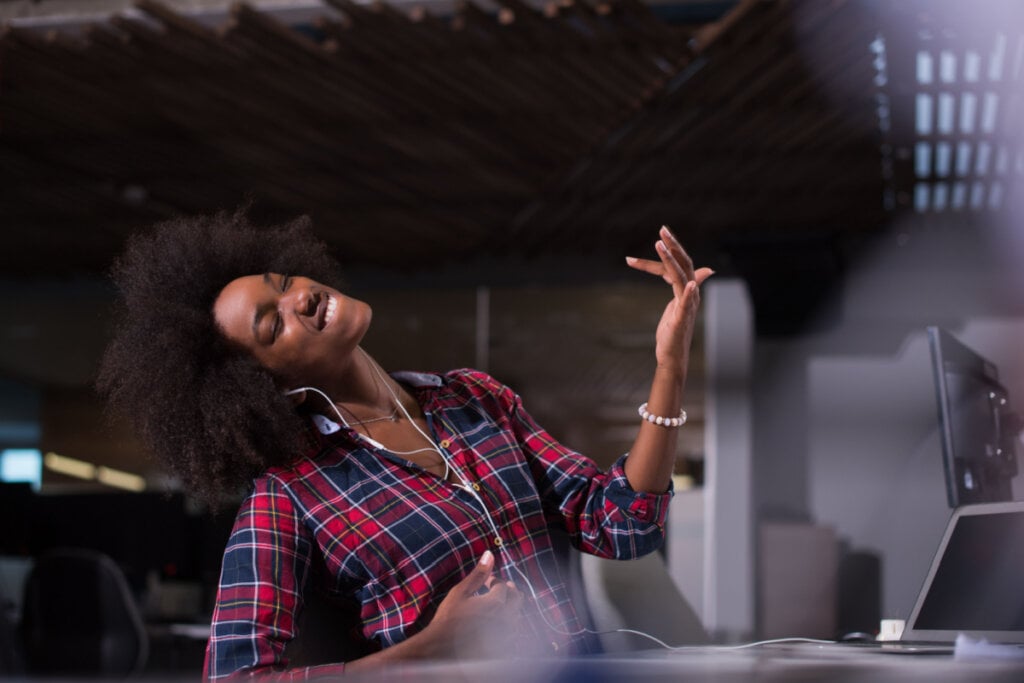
675	329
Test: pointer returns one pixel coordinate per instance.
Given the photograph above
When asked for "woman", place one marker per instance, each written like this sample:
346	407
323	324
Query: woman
420	504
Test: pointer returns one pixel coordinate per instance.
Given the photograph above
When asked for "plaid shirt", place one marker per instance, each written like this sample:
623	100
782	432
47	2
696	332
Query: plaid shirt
392	539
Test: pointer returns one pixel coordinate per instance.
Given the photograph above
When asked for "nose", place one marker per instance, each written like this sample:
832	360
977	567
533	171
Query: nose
300	300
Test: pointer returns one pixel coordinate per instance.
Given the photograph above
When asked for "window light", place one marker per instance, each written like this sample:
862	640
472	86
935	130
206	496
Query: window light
963	158
946	107
924	67
968	109
977	195
981	162
943	158
940	193
924	113
959	195
972	66
947	66
921	197
989	105
922	159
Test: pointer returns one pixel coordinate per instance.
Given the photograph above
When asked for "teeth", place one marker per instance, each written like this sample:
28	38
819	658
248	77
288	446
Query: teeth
332	306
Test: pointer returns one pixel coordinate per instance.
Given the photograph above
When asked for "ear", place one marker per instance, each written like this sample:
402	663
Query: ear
297	396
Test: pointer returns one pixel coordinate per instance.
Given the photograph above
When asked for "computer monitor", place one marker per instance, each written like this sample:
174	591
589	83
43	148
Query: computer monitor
977	425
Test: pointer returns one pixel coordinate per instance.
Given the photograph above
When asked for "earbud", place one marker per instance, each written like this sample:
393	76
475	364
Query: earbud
296	396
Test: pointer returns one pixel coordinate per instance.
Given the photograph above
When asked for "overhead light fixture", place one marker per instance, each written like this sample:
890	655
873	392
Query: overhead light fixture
72	467
119	479
80	469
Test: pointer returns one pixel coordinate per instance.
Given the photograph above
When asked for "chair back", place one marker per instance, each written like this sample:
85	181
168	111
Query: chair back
80	617
639	595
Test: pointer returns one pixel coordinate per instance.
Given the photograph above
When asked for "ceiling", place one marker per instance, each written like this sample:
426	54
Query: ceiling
487	145
469	139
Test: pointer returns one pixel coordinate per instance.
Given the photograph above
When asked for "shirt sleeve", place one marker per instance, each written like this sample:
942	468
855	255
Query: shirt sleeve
602	513
265	570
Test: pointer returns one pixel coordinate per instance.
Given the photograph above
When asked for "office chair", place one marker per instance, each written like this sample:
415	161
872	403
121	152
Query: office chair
640	595
79	617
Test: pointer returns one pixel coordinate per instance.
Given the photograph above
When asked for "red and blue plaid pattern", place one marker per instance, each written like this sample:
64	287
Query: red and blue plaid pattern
392	539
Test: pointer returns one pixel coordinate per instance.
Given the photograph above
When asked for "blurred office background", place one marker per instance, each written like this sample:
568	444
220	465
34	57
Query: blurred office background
850	168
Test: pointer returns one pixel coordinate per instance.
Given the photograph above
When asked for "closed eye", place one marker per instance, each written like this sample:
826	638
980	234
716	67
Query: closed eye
286	282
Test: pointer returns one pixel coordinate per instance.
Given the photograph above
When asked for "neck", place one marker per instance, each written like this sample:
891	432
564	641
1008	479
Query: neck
371	392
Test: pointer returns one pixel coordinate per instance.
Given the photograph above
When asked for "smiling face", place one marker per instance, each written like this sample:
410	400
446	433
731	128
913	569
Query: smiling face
301	331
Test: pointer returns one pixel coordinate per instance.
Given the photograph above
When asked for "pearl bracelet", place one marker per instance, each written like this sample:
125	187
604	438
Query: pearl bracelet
662	421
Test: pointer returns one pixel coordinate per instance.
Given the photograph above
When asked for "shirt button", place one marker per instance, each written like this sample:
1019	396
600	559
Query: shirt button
476	486
445	443
497	541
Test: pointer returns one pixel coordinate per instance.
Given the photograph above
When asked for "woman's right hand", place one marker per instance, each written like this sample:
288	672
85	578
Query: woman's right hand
467	623
472	623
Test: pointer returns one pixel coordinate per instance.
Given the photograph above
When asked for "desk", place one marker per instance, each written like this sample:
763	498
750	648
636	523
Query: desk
768	664
801	664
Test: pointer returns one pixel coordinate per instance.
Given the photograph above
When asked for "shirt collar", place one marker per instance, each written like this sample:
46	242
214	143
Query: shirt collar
417	380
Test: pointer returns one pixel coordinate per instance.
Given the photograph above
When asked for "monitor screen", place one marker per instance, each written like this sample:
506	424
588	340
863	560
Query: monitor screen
978	444
976	583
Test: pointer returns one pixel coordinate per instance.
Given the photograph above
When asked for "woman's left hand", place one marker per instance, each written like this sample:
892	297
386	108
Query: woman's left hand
675	330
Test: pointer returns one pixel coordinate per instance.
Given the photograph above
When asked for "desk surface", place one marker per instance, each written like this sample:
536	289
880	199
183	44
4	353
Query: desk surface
803	663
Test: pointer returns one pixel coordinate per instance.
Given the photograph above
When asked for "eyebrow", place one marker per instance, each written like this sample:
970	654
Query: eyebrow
261	311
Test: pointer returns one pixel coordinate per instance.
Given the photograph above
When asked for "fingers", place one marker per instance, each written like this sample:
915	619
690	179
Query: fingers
479	577
503	597
677	251
674	274
497	591
674	265
646	265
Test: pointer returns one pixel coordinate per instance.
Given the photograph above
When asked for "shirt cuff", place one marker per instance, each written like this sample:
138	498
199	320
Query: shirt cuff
644	507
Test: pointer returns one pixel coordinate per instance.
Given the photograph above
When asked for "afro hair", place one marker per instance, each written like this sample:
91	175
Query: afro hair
207	410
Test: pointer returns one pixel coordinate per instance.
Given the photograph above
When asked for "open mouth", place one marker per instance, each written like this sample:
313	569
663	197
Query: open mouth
328	310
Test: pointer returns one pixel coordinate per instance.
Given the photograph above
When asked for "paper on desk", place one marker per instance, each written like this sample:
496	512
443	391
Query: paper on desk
969	648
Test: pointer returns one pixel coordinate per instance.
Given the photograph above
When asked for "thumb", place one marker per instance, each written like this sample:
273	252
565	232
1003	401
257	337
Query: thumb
702	274
477	578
